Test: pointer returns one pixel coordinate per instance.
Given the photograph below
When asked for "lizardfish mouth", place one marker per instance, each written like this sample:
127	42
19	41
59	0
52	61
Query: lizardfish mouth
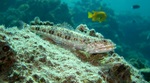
100	48
106	49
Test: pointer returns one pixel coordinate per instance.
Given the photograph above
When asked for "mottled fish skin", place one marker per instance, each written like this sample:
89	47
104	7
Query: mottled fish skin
74	39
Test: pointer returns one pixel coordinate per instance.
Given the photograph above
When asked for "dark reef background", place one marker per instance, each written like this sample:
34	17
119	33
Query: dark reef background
130	31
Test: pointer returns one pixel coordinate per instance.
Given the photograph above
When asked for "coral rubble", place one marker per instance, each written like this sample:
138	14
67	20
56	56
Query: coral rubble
36	60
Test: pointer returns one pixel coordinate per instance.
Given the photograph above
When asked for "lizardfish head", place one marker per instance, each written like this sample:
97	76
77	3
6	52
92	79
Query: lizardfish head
100	47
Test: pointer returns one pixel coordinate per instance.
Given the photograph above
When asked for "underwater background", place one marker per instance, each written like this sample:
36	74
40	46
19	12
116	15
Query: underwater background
125	25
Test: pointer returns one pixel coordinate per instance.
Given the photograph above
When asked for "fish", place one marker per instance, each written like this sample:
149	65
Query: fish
136	6
99	16
71	38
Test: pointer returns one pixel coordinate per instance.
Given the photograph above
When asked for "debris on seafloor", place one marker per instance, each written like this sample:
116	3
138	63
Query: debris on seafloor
36	60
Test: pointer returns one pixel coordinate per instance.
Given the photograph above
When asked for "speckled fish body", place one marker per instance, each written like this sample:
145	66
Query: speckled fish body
74	39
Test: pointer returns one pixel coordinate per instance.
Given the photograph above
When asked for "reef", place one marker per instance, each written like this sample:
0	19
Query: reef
13	13
29	57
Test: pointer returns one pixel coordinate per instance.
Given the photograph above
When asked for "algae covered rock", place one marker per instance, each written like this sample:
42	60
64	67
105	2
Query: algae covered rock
40	60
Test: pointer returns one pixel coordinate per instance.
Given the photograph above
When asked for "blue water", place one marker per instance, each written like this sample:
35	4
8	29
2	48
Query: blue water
125	6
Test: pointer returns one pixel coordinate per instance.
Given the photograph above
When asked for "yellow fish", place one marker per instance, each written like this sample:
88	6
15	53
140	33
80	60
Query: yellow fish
99	16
